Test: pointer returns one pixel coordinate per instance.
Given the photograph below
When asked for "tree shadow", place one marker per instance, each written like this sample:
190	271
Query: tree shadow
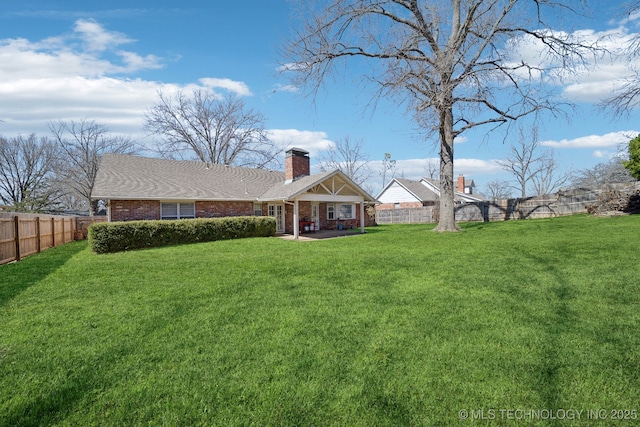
16	277
93	371
633	206
562	320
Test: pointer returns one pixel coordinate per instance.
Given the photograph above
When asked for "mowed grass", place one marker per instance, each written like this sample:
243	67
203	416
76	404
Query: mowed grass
400	326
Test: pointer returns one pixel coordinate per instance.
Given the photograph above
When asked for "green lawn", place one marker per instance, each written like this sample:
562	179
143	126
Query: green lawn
400	326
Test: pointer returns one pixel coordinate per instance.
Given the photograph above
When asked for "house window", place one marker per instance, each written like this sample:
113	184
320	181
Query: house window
346	211
257	209
396	205
177	210
331	211
341	211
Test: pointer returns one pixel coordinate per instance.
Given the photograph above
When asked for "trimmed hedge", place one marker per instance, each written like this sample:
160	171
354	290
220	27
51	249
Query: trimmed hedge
121	236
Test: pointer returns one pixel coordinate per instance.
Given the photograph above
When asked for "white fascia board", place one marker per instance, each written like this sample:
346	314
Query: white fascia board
311	197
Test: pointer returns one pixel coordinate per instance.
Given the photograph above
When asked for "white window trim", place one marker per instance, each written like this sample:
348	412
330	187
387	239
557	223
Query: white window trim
333	213
336	211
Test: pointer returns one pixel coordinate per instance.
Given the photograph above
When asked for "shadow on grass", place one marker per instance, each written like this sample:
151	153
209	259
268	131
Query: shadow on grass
19	276
562	320
87	376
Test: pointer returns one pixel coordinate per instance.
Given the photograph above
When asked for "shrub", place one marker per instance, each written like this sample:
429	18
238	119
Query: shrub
122	236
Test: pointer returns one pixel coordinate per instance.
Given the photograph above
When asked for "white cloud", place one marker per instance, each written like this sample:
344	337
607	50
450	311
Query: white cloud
286	88
312	141
96	39
598	76
418	168
470	167
76	76
61	56
239	88
611	139
291	66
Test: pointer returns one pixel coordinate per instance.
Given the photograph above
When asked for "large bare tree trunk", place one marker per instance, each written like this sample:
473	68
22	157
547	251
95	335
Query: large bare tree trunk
441	57
447	191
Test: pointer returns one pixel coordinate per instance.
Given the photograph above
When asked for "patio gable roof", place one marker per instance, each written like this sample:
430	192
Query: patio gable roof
332	186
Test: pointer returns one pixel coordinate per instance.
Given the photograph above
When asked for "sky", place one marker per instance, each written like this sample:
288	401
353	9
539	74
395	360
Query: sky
107	61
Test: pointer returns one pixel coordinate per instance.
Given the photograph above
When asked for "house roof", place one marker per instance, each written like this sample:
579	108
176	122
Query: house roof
428	189
289	191
129	177
132	177
285	191
418	189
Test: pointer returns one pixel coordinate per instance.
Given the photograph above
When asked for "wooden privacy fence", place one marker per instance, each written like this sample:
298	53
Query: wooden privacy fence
566	202
26	234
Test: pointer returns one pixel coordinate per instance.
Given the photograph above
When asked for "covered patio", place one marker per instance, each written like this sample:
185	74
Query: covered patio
323	202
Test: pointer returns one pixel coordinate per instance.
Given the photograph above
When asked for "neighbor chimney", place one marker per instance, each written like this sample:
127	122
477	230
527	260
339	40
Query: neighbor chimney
296	164
461	183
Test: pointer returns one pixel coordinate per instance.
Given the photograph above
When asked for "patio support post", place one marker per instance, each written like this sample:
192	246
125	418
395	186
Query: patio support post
296	222
362	217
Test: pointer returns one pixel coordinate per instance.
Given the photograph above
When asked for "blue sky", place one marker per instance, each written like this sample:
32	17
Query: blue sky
106	60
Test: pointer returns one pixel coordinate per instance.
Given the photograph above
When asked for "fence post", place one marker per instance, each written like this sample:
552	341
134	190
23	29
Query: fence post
16	221
53	232
38	249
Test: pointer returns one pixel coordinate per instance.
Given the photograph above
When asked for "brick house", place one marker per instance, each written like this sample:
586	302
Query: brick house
403	193
141	188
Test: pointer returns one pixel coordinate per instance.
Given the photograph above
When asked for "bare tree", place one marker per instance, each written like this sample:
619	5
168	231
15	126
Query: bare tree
550	177
627	97
533	166
388	169
84	143
452	63
524	160
27	173
432	169
347	156
608	172
213	130
498	189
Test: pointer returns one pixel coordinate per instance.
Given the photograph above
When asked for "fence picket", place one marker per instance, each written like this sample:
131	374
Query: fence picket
567	202
25	234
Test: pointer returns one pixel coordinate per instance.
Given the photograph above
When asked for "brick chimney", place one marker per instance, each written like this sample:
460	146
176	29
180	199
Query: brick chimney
461	183
296	164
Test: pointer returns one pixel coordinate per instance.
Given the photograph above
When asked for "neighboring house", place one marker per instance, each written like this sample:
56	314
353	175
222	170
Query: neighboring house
405	193
140	188
466	186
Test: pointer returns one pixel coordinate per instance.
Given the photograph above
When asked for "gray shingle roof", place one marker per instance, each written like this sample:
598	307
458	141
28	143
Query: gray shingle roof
284	191
141	178
133	177
418	189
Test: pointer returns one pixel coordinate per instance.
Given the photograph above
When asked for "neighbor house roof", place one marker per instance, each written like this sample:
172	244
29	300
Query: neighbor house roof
133	177
418	189
427	189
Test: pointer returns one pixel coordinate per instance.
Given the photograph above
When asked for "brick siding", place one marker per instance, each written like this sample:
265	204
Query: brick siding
220	209
134	210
